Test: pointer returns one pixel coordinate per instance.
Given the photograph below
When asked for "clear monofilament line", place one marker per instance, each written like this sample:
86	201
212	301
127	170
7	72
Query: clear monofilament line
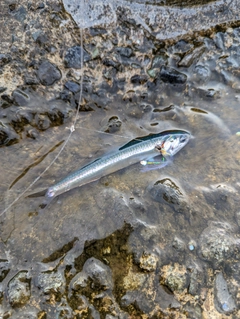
72	129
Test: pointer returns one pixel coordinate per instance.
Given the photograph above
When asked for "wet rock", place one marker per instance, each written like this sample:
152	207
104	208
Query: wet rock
174	277
4	269
139	79
42	39
99	274
7	135
19	289
217	243
197	277
48	73
172	76
4	59
179	244
31	80
72	58
72	86
112	63
181	47
201	73
52	282
148	262
20	97
191	57
42	121
124	51
224	302
113	125
167	191
159	60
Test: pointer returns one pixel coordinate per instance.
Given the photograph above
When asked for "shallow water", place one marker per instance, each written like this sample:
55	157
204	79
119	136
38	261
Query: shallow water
129	213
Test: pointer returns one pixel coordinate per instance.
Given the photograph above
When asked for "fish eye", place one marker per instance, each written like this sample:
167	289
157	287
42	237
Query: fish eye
182	139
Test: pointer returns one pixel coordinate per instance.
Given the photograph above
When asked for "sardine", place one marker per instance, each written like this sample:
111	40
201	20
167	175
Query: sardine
166	143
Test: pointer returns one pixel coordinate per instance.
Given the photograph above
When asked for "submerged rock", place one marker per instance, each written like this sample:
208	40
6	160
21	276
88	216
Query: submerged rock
52	282
167	191
19	289
94	270
224	302
217	243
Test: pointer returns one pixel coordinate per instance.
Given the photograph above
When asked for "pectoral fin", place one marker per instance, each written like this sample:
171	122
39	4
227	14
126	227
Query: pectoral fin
154	163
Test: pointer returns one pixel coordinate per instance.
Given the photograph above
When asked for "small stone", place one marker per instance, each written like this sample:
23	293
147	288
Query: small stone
7	135
159	60
178	244
72	58
139	79
152	73
72	86
48	73
191	57
223	300
20	98
4	59
172	76
42	121
202	73
19	289
125	51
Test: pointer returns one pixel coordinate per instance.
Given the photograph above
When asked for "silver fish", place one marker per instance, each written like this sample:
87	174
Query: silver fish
166	143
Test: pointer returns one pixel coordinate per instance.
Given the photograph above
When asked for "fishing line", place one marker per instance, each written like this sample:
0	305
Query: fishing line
72	129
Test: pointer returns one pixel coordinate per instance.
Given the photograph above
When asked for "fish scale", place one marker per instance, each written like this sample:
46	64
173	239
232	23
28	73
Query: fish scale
133	152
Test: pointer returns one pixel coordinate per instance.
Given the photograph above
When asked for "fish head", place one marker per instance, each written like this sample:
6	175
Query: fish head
175	142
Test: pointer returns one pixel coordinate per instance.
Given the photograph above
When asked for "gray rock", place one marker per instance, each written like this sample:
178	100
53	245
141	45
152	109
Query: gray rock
125	51
172	76
50	282
217	243
224	302
4	59
48	73
201	73
20	97
72	86
99	274
191	57
166	191
19	289
4	269
72	58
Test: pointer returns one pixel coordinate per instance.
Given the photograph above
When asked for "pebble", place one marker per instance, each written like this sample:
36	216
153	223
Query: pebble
72	57
139	79
170	75
224	302
124	51
48	73
4	59
72	86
